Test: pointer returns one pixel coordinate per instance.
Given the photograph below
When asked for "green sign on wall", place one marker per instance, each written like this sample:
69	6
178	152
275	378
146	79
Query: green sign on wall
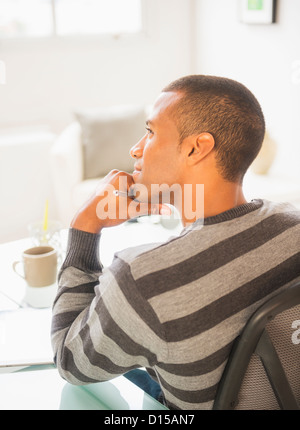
255	4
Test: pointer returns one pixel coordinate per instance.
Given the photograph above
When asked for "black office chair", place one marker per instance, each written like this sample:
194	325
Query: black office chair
263	369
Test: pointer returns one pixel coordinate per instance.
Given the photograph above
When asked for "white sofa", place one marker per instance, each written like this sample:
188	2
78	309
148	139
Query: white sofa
67	171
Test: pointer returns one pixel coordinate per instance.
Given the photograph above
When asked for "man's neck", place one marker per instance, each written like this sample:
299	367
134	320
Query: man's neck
206	200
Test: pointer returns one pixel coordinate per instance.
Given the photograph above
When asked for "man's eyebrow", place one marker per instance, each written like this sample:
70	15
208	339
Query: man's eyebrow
149	122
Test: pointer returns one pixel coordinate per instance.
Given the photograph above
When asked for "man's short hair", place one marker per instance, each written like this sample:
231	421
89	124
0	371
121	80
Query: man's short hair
226	109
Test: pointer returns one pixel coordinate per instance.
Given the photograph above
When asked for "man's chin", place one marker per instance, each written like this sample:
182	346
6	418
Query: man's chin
140	193
153	193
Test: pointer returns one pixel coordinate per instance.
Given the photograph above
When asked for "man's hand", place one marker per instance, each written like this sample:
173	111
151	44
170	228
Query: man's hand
106	209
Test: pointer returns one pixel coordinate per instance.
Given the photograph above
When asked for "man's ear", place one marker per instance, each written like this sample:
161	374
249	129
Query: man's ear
198	147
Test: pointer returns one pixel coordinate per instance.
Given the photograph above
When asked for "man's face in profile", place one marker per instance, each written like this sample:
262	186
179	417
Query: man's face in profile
158	156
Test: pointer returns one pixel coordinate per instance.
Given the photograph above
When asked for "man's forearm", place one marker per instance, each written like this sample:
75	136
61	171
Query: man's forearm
77	279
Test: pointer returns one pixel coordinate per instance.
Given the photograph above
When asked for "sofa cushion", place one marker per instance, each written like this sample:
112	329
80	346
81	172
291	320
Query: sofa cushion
107	136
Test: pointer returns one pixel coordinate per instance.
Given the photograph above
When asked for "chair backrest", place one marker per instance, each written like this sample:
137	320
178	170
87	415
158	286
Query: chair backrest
263	369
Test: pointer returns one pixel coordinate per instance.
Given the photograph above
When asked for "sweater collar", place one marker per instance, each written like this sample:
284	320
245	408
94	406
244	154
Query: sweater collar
228	215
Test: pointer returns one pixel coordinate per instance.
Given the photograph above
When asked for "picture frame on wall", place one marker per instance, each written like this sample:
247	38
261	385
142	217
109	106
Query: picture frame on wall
257	11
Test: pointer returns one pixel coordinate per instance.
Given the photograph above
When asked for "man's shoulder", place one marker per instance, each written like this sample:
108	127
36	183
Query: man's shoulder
142	260
282	210
277	220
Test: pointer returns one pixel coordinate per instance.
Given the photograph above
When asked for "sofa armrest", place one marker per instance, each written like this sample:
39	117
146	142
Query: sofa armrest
67	169
25	181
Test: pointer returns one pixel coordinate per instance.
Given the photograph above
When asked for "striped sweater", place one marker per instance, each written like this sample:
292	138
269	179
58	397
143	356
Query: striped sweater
174	307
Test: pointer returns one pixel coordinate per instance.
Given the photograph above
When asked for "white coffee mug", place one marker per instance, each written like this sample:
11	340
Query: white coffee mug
40	273
39	266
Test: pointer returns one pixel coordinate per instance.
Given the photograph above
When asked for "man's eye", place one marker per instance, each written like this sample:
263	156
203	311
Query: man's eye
149	131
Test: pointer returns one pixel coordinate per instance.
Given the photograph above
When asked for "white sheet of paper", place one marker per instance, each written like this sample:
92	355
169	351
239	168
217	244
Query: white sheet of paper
25	337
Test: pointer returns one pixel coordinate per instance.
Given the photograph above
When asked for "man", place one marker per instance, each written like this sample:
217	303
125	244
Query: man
176	308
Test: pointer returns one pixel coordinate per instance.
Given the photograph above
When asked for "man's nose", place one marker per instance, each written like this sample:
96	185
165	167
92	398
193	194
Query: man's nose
137	150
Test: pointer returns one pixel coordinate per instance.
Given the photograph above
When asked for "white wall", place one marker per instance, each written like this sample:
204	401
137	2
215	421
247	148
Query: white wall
48	79
266	58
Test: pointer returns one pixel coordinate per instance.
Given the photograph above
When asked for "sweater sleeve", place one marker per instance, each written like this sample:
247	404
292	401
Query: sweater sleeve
96	333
